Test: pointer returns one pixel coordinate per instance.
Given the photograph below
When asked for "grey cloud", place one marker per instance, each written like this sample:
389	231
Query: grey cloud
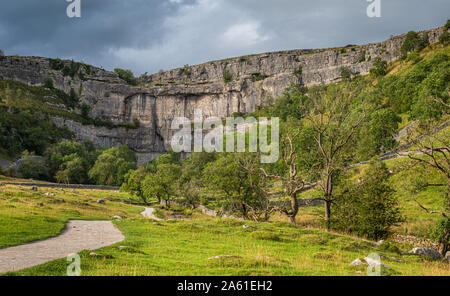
147	36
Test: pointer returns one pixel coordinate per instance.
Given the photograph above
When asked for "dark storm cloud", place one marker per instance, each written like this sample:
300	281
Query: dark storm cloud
160	34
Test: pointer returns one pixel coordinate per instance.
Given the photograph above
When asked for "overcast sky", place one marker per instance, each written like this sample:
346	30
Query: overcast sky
151	35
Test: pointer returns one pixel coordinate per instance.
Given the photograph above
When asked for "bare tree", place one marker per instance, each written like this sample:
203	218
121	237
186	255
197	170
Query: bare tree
335	124
293	181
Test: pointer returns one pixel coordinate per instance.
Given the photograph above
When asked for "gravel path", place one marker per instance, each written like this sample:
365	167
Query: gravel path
79	236
148	213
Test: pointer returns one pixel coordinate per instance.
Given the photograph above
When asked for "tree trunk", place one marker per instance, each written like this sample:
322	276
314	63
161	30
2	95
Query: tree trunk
294	208
327	213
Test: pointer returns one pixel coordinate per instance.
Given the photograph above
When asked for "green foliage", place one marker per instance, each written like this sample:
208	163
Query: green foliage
441	234
363	57
227	76
126	75
298	72
32	167
85	109
444	38
371	208
258	77
162	184
187	71
49	83
56	64
447	25
413	42
377	135
346	73
112	165
27	130
379	67
288	106
72	70
70	162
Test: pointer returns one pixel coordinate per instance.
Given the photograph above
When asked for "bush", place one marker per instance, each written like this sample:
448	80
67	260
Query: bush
187	71
379	67
126	75
33	168
444	38
48	83
227	76
298	72
56	64
371	208
413	42
346	73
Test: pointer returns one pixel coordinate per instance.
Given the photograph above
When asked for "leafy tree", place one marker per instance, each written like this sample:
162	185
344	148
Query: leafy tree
32	167
112	166
413	42
335	122
126	75
288	105
378	133
379	67
229	178
162	184
369	209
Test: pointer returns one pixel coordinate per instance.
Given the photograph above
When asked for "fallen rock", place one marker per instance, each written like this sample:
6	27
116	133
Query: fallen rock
60	200
101	201
358	262
34	188
379	243
433	254
222	256
93	254
117	218
74	191
49	194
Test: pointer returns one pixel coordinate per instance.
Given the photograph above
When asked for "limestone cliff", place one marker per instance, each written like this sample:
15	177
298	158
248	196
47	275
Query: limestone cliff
219	88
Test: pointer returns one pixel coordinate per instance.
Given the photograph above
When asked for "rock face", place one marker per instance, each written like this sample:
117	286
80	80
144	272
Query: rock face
219	88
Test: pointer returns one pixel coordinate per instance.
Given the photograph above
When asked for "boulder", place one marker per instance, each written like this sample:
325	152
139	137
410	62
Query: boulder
433	254
34	188
358	262
101	201
117	218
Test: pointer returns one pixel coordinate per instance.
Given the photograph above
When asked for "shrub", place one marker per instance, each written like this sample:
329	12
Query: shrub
258	77
48	83
379	67
227	76
346	73
413	42
447	25
298	72
444	38
363	57
187	70
85	109
126	75
32	168
56	64
371	208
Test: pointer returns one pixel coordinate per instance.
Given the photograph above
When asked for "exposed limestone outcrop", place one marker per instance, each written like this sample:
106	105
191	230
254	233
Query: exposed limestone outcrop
251	81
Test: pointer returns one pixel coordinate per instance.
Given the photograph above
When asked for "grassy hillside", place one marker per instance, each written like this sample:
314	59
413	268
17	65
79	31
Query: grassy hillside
183	247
